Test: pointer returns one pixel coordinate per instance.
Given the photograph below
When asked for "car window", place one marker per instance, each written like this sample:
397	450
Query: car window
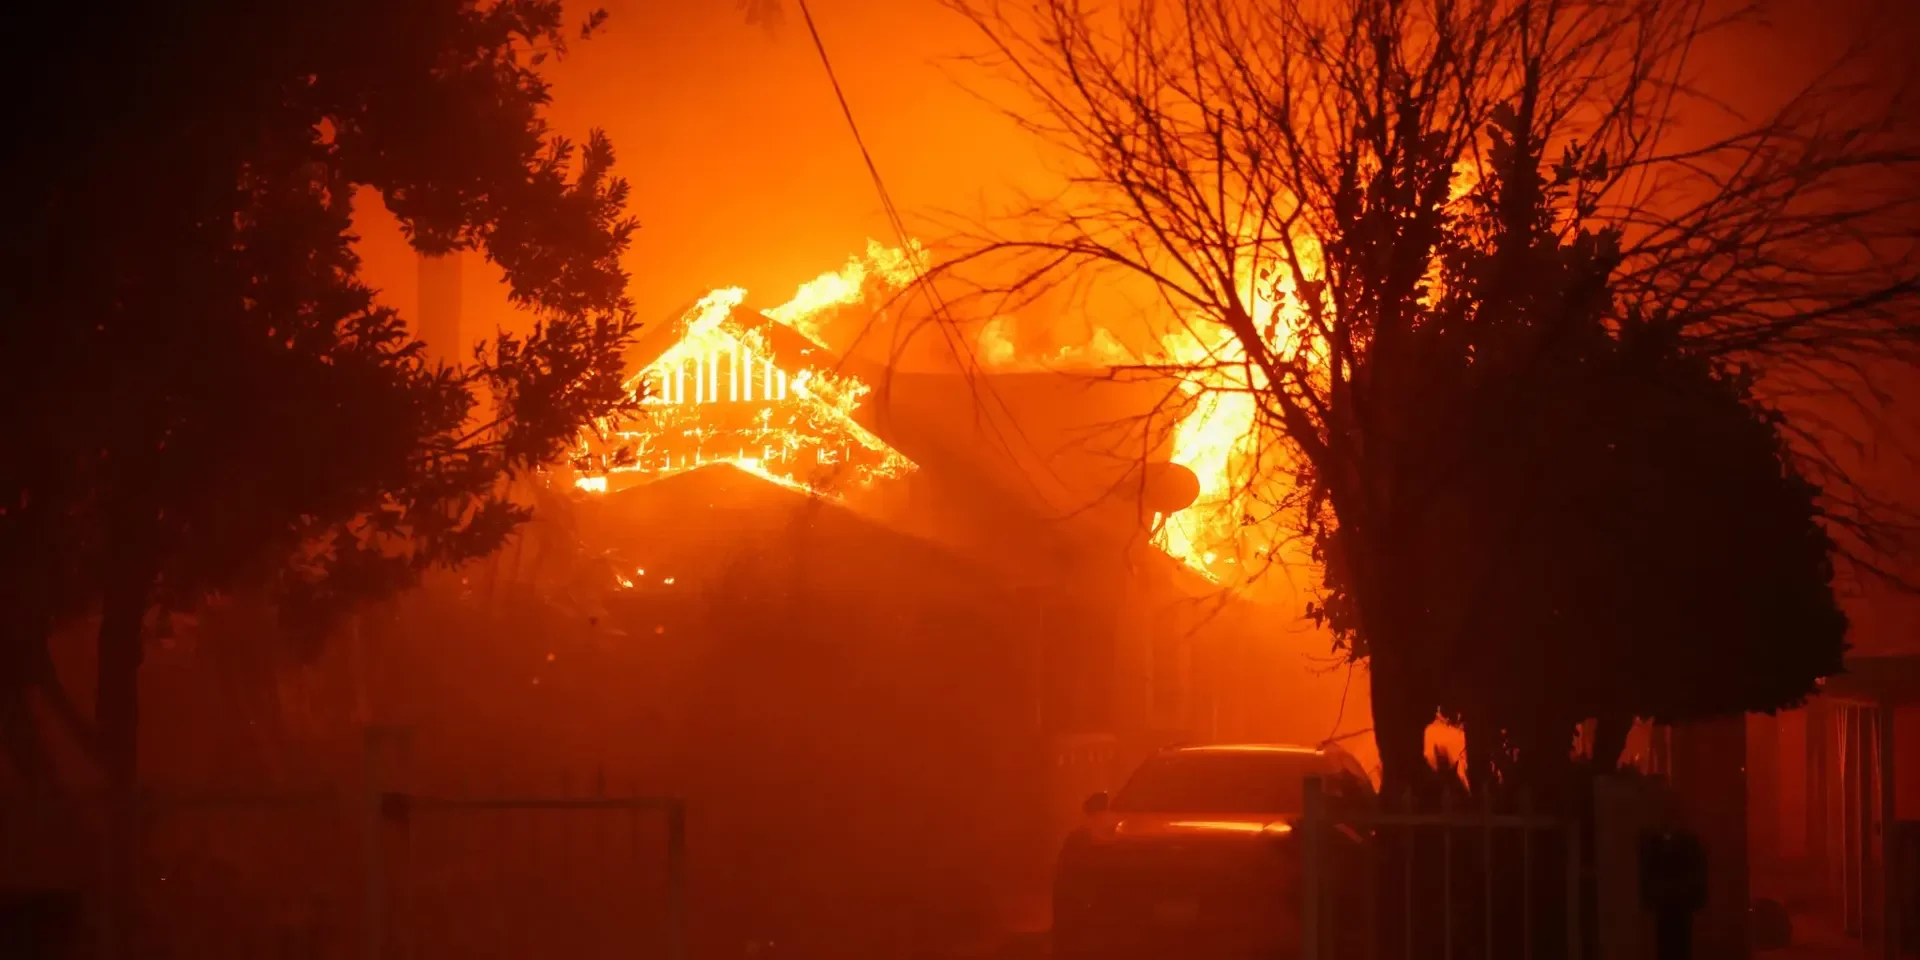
1252	782
1353	769
1347	791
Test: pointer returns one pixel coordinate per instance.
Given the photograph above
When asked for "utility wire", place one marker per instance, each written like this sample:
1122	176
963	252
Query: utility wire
942	315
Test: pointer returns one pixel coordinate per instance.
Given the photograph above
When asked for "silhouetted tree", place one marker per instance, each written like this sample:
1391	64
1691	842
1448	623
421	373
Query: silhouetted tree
1459	253
1627	530
202	395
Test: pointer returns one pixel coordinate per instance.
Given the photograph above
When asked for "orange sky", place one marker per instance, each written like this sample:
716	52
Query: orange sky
743	171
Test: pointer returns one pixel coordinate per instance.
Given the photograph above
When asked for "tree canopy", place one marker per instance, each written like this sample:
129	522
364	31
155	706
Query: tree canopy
204	394
1625	532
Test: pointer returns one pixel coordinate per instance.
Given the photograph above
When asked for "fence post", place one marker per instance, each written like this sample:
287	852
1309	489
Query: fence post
1314	809
1486	872
1446	873
1526	875
1576	937
1410	845
677	879
373	789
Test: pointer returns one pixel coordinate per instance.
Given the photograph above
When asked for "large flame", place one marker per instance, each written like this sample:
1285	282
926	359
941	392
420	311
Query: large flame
1216	440
1232	524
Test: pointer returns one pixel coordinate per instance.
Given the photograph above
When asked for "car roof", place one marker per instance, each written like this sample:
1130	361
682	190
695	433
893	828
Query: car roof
1329	757
1256	748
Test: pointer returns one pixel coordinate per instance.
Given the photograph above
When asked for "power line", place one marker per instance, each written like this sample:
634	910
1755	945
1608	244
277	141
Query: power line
943	318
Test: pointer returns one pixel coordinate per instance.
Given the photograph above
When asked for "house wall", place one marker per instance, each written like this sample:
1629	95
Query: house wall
1906	763
1814	812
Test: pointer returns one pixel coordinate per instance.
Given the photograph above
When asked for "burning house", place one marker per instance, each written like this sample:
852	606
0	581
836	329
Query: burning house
887	620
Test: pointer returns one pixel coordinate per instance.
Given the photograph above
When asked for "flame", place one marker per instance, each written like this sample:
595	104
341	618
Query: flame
1214	440
891	267
718	396
996	350
995	346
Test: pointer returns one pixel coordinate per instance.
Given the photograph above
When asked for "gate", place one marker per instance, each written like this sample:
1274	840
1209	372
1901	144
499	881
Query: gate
1384	884
587	877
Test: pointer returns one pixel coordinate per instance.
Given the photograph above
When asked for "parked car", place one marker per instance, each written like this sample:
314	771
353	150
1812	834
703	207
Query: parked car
1198	855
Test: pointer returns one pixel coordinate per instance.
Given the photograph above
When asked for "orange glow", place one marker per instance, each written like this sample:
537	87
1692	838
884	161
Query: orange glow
1255	748
1232	826
1152	826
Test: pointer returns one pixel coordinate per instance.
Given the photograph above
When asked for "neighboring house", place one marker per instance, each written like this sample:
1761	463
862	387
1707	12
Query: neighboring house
1833	791
1834	799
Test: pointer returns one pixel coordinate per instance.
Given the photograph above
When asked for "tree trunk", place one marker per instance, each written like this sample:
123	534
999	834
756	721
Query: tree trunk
117	708
26	751
28	666
1610	741
1401	714
1483	752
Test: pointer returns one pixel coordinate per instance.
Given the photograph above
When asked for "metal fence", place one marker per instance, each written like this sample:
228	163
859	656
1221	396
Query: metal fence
581	877
365	874
1386	881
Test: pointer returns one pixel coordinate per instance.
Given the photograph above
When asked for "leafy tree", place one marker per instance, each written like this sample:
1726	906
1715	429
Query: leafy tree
203	395
1635	538
1458	251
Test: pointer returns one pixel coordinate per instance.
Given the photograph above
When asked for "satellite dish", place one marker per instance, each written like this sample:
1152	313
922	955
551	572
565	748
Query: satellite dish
1170	488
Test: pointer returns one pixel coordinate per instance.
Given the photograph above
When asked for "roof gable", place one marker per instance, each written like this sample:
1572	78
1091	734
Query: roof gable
725	385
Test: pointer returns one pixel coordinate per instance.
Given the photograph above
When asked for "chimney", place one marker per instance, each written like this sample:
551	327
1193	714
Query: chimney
439	323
